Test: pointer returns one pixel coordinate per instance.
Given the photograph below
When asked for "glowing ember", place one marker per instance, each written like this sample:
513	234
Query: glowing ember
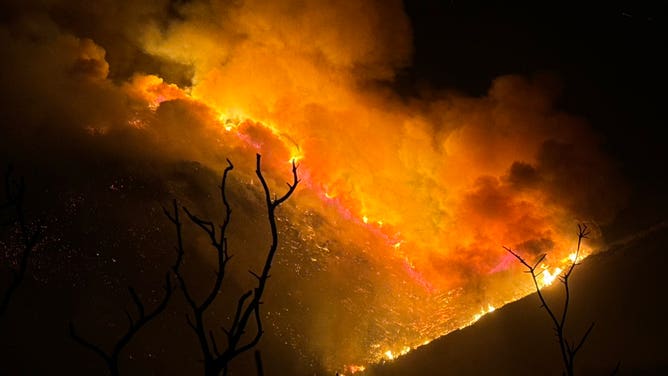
389	355
355	369
548	277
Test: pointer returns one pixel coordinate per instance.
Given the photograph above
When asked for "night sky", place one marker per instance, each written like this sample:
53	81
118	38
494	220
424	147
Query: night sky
610	59
96	191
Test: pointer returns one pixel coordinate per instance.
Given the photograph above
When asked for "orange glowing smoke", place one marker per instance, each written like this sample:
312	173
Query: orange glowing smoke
443	183
425	191
443	227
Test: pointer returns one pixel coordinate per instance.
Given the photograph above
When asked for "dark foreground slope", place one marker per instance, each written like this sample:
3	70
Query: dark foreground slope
622	291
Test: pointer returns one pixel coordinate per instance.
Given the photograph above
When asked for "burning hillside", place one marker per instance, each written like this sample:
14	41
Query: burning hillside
395	235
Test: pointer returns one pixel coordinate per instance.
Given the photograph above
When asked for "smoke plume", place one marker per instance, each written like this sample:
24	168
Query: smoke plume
404	203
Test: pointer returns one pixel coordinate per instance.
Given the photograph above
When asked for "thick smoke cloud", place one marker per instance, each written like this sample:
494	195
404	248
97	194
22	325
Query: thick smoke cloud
428	188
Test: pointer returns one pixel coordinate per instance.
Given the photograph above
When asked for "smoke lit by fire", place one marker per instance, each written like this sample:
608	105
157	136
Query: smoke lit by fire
405	204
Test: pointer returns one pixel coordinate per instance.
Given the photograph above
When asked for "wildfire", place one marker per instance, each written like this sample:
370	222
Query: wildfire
355	369
248	131
404	202
490	308
390	355
548	277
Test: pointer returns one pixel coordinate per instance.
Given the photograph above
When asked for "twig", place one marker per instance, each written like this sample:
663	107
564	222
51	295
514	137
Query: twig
568	352
14	198
134	326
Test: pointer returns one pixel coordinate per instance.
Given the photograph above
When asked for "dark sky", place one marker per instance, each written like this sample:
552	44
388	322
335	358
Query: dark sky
610	58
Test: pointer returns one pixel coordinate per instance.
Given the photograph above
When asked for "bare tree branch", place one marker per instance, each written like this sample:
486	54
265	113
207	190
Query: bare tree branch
14	199
258	363
583	339
568	352
216	360
134	326
91	347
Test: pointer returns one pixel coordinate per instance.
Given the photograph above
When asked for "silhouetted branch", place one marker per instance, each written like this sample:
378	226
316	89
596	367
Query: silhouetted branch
258	363
14	199
134	326
568	352
583	339
94	348
216	360
532	270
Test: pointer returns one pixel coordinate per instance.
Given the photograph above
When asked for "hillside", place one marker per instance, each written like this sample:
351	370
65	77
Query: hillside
621	290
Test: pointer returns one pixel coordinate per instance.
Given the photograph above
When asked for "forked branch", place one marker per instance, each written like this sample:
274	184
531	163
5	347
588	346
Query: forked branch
568	350
217	359
134	326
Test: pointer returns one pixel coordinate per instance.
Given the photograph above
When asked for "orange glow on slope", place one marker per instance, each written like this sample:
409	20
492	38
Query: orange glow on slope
409	249
405	203
471	216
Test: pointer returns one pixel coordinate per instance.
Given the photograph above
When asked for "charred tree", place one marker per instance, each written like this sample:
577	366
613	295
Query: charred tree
134	326
238	339
13	214
568	349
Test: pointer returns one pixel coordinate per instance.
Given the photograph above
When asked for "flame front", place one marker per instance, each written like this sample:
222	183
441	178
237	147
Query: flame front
440	255
404	205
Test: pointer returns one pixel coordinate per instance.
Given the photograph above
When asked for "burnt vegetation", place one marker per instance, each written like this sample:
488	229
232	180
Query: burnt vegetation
218	347
217	355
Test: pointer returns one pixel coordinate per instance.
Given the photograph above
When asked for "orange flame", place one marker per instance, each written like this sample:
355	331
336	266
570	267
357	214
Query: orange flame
433	187
469	220
405	202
